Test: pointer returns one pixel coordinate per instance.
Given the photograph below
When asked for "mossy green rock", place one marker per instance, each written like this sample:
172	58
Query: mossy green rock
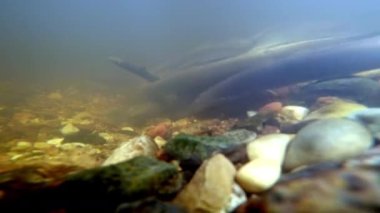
109	186
198	148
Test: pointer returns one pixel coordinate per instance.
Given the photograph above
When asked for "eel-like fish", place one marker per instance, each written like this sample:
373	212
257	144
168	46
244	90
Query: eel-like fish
232	81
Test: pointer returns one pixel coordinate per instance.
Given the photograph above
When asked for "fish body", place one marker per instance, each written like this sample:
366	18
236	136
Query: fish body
237	80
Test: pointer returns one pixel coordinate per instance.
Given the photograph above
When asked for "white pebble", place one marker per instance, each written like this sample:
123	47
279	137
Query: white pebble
266	154
270	146
258	175
69	129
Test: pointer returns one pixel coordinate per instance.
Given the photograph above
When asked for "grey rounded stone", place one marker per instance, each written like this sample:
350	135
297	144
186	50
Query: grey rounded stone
327	140
370	118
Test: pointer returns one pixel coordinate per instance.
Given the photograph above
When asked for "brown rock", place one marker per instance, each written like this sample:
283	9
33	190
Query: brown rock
273	107
210	188
348	190
162	129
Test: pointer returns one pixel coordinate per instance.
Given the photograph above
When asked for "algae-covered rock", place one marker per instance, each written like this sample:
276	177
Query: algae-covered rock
195	149
109	186
242	135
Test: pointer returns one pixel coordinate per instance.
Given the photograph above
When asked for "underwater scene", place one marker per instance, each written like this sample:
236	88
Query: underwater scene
189	106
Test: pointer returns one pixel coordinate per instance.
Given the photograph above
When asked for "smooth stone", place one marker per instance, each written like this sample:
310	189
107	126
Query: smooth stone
55	141
138	146
327	140
266	154
270	147
337	108
17	156
210	188
127	129
73	145
251	113
107	136
24	145
160	142
271	108
370	118
41	145
258	175
237	198
292	114
69	129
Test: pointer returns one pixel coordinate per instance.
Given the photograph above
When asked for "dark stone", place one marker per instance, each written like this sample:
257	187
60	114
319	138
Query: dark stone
257	122
85	136
150	205
354	183
101	189
311	171
294	128
191	150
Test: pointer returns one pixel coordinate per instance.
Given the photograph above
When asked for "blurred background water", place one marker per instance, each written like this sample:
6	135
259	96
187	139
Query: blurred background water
61	41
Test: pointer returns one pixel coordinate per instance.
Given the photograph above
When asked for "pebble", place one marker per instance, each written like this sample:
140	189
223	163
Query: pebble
127	129
16	157
162	129
266	156
107	136
327	140
237	198
270	147
292	114
258	175
273	107
370	118
73	145
55	141
210	188
160	142
137	146
42	145
69	129
251	113
24	145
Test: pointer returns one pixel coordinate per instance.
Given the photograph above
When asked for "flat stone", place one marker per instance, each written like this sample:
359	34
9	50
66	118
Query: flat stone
69	129
137	146
55	141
